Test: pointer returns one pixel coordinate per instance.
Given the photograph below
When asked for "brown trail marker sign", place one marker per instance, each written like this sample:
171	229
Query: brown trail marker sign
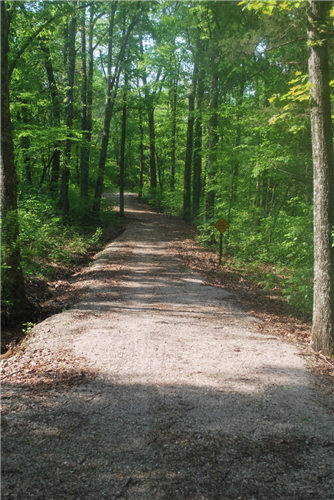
221	225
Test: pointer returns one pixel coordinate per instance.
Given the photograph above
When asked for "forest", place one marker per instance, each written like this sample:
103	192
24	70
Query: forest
206	109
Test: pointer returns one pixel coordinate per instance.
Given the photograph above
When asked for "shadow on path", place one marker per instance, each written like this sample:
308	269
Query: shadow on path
113	440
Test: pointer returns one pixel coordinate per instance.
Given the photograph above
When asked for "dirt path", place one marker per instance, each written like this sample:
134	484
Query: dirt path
156	386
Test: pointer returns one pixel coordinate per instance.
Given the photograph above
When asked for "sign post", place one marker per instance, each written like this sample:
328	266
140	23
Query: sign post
221	225
220	248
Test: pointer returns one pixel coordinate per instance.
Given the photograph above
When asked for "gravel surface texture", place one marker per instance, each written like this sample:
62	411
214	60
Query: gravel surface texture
157	386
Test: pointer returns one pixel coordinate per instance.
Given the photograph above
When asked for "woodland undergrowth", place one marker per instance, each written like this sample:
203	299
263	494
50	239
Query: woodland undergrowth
48	241
276	252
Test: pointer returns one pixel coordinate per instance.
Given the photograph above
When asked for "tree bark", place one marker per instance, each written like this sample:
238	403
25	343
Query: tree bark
151	134
12	277
84	158
151	131
112	85
189	147
65	46
161	160
257	200
198	146
85	151
212	144
142	159
90	76
107	117
25	143
235	172
122	162
56	111
173	137
323	192
63	204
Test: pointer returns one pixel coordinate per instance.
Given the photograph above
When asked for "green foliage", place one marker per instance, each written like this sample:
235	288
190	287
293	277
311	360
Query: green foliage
268	6
282	244
297	97
45	240
96	239
208	234
261	177
28	327
153	197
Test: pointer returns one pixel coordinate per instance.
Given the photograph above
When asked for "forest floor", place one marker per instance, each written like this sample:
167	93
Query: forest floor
167	378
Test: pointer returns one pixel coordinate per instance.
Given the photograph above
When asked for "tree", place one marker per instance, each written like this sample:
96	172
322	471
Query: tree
56	114
111	92
323	171
84	158
151	128
141	147
212	146
189	146
198	134
63	203
12	276
123	139
248	123
173	101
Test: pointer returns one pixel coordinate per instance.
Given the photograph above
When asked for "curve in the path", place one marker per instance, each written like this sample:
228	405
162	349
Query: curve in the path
201	355
191	402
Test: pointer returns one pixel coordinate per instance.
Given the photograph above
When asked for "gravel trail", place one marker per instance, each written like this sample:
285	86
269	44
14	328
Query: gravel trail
183	398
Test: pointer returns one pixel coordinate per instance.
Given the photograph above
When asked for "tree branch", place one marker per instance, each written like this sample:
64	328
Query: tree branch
30	40
286	43
294	175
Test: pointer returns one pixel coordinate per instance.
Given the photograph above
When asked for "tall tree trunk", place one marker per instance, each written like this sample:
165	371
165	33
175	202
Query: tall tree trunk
189	147
212	144
65	47
84	159
323	167
12	276
235	173
63	204
265	193
257	200
161	171
107	116
90	82
198	130
173	137
46	167
55	115
151	131
25	143
122	162
142	159
112	85
198	146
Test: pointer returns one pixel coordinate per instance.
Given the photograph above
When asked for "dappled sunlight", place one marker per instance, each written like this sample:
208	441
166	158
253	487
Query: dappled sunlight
156	386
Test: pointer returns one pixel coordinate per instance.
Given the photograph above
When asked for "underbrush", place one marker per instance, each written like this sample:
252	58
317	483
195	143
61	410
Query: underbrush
169	203
48	242
277	253
295	285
